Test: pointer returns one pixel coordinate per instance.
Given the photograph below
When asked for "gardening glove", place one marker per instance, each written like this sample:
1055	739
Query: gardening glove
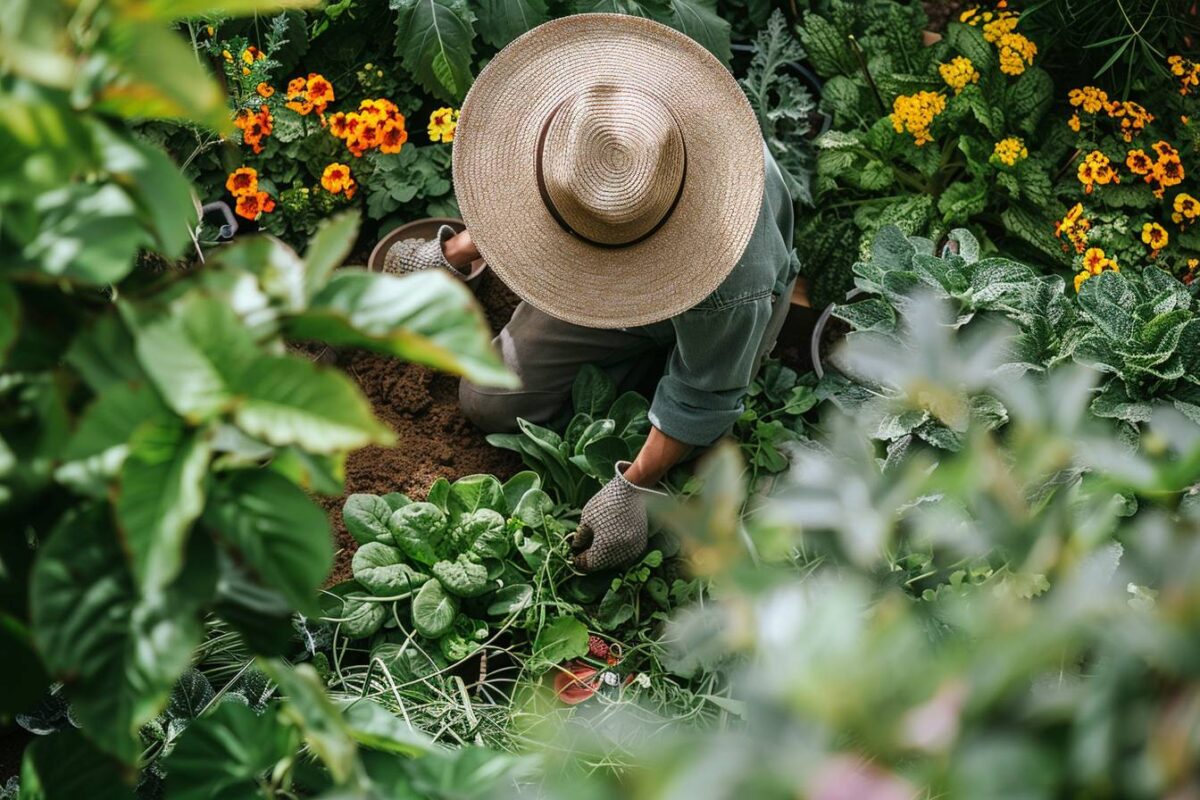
414	255
612	527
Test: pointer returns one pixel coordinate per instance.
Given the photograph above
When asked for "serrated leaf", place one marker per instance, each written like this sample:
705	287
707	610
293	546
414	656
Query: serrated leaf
501	21
434	38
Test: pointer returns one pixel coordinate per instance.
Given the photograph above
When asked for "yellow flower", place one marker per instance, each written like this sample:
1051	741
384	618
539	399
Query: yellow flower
1073	123
1075	226
1187	208
1004	24
1095	261
1016	51
228	56
958	73
1096	169
915	113
442	124
1080	278
264	90
1138	162
1011	150
1156	236
1089	98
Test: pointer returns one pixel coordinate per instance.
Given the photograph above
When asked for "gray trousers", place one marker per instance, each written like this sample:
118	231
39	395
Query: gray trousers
547	353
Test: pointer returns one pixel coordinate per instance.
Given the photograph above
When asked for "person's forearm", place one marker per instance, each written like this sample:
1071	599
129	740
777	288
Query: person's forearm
657	456
460	250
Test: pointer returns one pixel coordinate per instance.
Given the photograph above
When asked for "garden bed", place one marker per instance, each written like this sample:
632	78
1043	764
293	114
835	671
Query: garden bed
435	440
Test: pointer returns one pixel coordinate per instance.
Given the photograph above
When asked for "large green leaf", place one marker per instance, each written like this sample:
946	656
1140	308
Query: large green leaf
161	495
501	21
194	355
118	655
103	354
327	250
66	765
289	400
699	20
374	726
427	317
434	37
163	195
87	232
366	516
307	705
433	610
383	570
562	639
159	76
223	755
277	531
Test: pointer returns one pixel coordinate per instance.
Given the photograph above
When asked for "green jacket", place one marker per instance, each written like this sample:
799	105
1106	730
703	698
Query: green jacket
717	341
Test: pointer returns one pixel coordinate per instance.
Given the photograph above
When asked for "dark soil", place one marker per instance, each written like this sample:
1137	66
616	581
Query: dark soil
434	439
942	12
12	747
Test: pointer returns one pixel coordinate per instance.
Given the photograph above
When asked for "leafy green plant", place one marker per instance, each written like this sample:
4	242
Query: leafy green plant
925	137
774	412
783	104
605	429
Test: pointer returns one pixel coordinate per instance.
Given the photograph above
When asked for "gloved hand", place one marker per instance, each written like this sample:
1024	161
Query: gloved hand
612	527
414	255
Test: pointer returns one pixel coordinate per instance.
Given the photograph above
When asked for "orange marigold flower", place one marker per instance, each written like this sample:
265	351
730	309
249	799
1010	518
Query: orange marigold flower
392	137
1164	149
1187	209
264	89
1169	171
320	91
1073	123
336	178
252	206
1138	162
242	181
1094	260
337	124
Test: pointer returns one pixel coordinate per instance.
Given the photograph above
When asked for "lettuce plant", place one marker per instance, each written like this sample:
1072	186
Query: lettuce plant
605	429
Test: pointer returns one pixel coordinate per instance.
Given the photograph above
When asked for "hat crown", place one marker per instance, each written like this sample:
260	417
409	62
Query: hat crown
611	164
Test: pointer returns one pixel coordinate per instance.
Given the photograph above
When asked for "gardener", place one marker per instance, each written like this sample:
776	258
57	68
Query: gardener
612	174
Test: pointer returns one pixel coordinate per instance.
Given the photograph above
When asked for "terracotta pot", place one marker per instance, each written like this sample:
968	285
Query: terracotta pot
422	229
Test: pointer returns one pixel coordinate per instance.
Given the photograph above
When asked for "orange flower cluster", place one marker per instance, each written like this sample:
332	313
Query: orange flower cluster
1187	71
1095	261
1096	169
242	183
306	95
254	127
376	124
1166	170
1075	227
336	179
1092	100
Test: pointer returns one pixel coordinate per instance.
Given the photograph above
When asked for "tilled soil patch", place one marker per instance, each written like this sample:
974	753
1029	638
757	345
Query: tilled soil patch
434	439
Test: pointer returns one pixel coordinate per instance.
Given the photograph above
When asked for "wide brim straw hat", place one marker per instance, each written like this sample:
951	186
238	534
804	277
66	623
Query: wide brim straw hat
609	169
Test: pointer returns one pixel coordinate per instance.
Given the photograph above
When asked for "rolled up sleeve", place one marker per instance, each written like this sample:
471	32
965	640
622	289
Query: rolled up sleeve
700	394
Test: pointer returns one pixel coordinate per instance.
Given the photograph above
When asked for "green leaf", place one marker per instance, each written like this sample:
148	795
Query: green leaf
306	704
602	455
382	569
163	195
277	531
501	21
699	20
968	40
89	232
119	655
427	317
289	400
433	610
629	414
327	249
434	38
461	577
10	319
225	754
194	356
159	77
366	517
66	765
418	529
372	725
516	487
161	495
1029	98
103	354
534	508
352	610
593	392
510	600
562	639
475	492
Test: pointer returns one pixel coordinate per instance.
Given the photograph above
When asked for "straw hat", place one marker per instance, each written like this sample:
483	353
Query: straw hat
609	168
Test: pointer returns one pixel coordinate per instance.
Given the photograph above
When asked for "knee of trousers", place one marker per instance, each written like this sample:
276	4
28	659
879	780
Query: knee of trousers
494	412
